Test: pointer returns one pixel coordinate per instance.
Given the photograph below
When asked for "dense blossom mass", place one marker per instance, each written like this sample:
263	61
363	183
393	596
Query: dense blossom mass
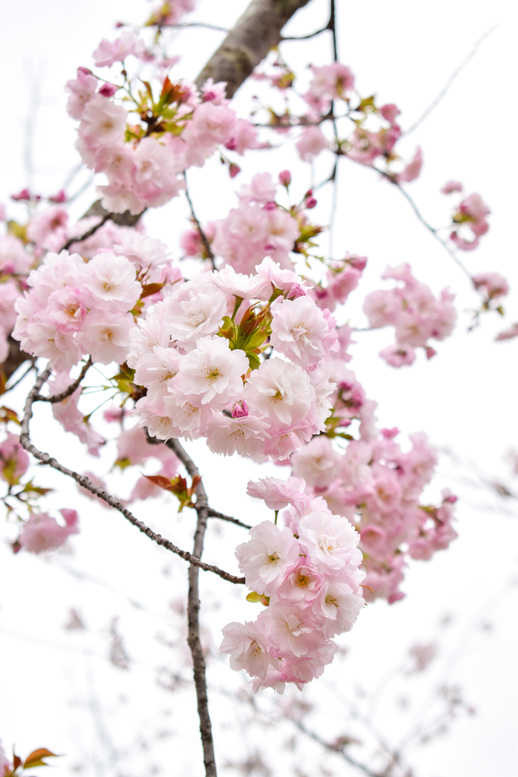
243	346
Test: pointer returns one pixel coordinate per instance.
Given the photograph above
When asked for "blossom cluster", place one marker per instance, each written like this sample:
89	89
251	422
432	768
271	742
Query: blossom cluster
308	575
469	219
378	486
198	353
75	308
144	150
416	315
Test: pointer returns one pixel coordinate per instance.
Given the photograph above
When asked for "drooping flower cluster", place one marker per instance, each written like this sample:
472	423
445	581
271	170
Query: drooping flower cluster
309	576
413	311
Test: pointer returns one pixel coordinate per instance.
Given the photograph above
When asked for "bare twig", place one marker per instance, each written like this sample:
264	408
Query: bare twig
193	613
425	223
203	236
304	37
204	25
339	750
256	32
223	517
416	210
449	82
69	390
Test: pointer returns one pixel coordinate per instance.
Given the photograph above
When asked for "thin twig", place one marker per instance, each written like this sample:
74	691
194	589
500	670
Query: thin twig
193	613
331	25
417	212
205	25
22	377
202	234
223	517
87	234
68	391
425	223
87	484
339	750
450	81
304	37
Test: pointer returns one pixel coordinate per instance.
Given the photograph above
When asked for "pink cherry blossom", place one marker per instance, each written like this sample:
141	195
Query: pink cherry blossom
267	557
276	493
279	390
301	331
212	372
247	644
116	51
42	532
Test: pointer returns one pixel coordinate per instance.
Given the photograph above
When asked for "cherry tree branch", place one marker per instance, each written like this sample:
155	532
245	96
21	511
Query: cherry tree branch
412	204
203	236
337	749
87	484
428	226
256	32
69	390
223	517
193	612
449	82
125	219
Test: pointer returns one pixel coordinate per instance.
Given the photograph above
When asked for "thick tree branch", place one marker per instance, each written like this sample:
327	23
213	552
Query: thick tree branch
255	33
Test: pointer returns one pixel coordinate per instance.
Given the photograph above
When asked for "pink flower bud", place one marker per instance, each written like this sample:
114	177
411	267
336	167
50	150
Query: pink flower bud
240	409
25	195
285	177
108	90
59	197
